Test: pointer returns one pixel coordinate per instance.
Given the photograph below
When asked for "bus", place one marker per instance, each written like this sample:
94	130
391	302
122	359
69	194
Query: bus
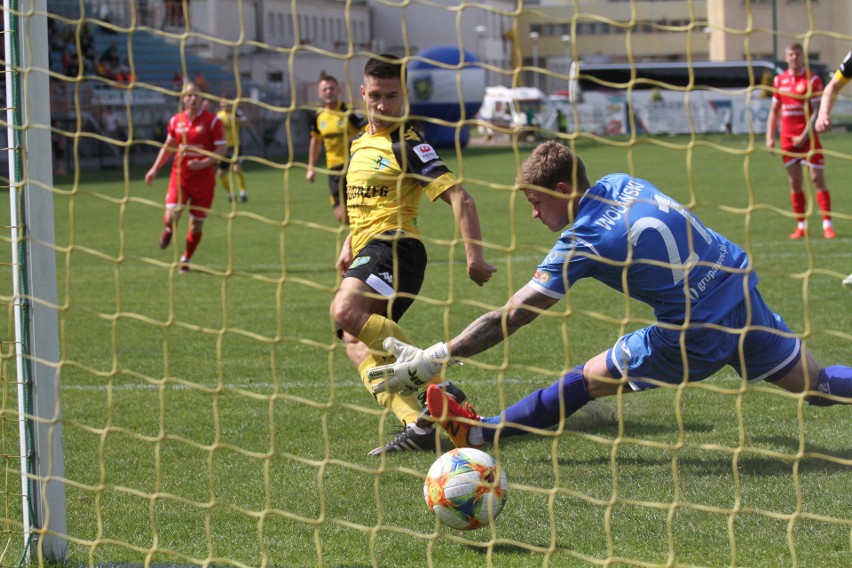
680	75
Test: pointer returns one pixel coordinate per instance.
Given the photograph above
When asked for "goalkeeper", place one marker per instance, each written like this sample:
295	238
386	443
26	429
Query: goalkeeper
383	260
628	235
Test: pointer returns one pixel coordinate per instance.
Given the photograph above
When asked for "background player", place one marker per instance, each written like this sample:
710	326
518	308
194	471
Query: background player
628	235
796	94
195	134
383	260
333	127
232	118
829	96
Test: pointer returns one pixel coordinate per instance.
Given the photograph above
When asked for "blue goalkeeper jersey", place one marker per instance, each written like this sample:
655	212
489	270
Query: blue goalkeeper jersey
635	239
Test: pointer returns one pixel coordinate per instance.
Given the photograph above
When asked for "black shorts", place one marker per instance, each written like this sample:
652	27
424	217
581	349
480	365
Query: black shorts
228	161
337	186
398	281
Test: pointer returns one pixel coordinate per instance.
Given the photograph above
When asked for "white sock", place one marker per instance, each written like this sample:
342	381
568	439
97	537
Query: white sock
419	430
474	436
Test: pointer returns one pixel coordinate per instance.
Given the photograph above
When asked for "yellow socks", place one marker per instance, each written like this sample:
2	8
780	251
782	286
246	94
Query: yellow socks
373	334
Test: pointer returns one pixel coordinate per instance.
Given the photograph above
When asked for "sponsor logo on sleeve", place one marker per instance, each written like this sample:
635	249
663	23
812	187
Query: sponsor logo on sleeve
429	167
425	152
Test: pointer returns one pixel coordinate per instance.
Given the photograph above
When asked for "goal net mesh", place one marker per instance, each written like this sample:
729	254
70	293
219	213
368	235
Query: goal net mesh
213	418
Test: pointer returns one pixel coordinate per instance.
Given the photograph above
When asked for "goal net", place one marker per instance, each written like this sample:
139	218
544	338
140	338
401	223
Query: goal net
211	417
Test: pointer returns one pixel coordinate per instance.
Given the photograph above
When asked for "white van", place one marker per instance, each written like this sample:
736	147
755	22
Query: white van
510	109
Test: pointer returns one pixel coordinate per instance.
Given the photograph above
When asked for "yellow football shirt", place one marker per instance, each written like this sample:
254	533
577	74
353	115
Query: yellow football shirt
336	128
844	73
232	126
388	173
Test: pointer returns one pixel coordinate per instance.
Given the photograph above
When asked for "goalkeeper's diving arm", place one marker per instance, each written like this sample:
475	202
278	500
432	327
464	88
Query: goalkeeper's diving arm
492	328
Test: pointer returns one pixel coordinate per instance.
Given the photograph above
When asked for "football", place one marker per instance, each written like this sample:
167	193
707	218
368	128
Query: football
466	488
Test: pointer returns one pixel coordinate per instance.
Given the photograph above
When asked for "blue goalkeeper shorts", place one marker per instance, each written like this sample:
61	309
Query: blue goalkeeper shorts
761	349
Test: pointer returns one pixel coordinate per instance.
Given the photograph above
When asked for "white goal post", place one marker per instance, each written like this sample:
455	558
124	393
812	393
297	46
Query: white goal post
34	278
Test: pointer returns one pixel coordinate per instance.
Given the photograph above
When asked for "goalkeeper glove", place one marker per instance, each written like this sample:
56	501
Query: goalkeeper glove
413	368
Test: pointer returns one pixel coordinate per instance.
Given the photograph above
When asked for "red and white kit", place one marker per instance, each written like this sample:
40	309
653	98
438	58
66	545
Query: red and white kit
797	94
206	132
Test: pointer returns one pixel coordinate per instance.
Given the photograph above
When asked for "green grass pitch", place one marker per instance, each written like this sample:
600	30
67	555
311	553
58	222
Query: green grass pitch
213	418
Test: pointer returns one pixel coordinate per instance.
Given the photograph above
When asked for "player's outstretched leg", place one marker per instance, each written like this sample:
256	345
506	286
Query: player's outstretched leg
458	419
835	381
542	409
419	435
848	281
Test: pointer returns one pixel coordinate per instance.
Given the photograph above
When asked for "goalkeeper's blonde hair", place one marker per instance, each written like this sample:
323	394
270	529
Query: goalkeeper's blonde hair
550	163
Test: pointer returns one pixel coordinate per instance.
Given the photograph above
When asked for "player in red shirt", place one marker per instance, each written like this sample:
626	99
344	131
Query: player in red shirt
796	95
198	137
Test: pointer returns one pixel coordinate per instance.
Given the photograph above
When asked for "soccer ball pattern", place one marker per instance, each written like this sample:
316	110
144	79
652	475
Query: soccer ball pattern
466	488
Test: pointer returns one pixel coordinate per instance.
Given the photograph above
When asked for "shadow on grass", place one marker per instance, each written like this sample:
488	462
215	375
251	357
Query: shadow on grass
503	549
790	445
747	464
590	423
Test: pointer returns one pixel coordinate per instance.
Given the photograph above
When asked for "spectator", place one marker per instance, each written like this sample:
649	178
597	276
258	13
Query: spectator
70	60
111	55
177	80
104	69
123	74
200	81
112	127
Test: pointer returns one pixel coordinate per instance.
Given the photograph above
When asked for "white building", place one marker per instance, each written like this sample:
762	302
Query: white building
274	43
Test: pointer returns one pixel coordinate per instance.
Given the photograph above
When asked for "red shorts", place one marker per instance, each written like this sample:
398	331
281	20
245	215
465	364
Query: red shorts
809	153
196	189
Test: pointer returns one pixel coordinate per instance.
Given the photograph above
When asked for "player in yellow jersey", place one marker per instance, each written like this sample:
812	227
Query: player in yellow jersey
383	260
333	127
829	96
232	118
